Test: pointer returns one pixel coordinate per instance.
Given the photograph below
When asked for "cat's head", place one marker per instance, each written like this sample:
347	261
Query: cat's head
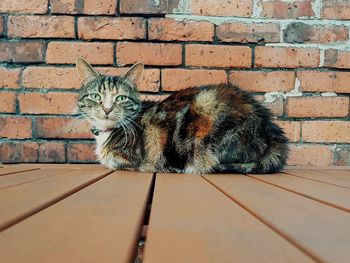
108	102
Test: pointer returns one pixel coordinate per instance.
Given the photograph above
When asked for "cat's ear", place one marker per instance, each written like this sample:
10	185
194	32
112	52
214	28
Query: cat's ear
134	73
85	71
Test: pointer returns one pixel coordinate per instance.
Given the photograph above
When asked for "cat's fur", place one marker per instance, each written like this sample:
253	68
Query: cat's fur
215	128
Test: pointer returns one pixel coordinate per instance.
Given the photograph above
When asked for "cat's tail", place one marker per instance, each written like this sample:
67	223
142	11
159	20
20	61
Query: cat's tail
272	161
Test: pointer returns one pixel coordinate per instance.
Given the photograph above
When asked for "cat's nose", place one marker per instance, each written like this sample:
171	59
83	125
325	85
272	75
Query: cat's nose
107	111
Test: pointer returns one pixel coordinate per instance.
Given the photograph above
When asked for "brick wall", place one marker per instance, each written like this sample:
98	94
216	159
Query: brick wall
294	55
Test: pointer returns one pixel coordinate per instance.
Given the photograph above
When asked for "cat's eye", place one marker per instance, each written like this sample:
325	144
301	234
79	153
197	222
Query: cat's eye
121	98
95	96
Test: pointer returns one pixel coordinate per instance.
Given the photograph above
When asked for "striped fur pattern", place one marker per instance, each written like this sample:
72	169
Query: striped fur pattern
217	128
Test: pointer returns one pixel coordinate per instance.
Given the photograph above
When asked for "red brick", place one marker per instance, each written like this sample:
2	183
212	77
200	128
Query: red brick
50	103
15	127
52	152
167	29
221	8
342	155
276	107
7	102
218	56
148	7
326	131
242	32
9	78
283	10
150	80
328	81
41	26
67	52
81	152
337	58
339	9
153	97
24	6
117	28
286	57
291	128
21	52
176	79
298	32
310	155
50	77
92	7
317	107
18	152
62	128
149	53
261	81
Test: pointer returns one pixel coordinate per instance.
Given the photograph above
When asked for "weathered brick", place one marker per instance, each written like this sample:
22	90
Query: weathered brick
24	6
9	77
286	57
317	107
117	28
148	7
81	152
150	80
41	26
149	53
50	77
243	33
310	155
291	128
218	56
52	152
19	152
176	79
67	52
339	9
329	81
62	128
298	32
50	103
21	52
326	131
92	7
7	102
337	58
342	155
221	8
153	97
260	81
287	9
276	106
15	127
167	29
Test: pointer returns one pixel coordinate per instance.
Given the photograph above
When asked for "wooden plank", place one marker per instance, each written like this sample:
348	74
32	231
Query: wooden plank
13	169
339	178
17	203
191	221
13	180
101	223
321	230
329	194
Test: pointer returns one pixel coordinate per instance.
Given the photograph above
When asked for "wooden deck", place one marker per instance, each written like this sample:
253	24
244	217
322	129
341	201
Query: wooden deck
86	213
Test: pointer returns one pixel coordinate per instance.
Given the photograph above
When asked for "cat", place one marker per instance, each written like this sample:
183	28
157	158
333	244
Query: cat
199	130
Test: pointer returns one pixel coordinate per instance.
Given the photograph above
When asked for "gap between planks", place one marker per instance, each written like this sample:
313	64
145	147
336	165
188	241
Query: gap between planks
51	202
269	225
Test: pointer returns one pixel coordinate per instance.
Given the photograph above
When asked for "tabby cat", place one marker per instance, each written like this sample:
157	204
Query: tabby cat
215	128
